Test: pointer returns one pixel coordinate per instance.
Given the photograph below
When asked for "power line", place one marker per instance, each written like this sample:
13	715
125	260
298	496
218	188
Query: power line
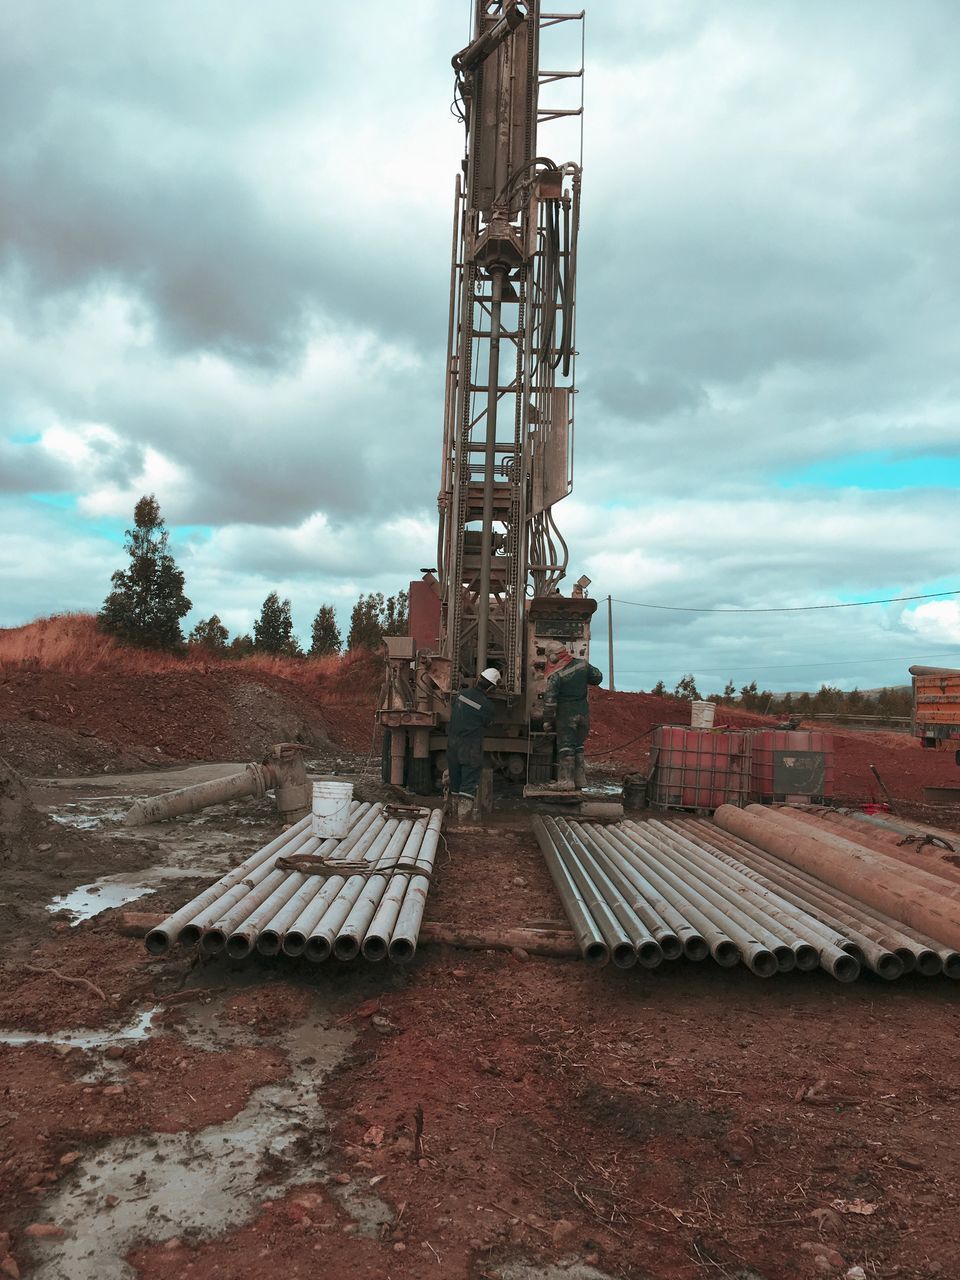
824	664
796	608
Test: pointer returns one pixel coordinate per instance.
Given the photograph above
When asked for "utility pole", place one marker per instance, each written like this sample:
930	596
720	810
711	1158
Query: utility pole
611	681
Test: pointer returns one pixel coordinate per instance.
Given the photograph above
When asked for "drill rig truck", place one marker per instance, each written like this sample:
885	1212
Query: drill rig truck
493	599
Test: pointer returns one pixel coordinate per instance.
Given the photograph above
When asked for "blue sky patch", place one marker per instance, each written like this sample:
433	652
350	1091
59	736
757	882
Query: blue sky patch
879	470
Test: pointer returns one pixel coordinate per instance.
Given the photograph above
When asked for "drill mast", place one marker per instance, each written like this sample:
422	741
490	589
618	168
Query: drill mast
508	421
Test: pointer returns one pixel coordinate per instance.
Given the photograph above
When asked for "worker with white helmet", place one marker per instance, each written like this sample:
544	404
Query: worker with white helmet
470	713
566	710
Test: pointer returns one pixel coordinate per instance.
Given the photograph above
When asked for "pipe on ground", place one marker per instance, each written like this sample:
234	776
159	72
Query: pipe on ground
589	939
403	940
623	953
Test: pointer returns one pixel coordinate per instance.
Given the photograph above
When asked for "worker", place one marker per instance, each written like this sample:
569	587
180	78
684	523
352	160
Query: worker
471	712
567	711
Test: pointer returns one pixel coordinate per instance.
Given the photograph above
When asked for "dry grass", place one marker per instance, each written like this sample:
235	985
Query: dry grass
71	643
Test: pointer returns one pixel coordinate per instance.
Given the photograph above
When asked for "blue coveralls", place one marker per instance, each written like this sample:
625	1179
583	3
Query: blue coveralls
565	701
471	712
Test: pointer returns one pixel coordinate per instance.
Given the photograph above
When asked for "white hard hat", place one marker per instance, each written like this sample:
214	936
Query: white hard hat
491	675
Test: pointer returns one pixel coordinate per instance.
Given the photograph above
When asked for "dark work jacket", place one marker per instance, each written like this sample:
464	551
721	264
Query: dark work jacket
472	711
566	691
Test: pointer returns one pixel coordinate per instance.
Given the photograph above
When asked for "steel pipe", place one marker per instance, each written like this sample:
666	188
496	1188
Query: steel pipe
269	938
675	935
608	880
384	852
593	948
403	940
719	939
623	953
376	941
346	945
252	780
158	940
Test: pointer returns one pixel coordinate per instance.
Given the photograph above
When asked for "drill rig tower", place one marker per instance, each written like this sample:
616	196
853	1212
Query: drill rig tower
508	417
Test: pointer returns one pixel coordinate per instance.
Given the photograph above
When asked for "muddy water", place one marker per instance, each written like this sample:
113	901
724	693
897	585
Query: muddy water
202	1184
84	1038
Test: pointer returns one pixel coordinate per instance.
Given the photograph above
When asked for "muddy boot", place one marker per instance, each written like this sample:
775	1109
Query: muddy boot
579	771
565	774
464	808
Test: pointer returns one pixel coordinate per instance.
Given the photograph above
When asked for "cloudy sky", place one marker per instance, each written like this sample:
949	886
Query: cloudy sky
224	240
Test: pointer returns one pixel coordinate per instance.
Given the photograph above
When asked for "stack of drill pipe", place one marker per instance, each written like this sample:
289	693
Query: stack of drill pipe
886	822
578	902
924	901
258	905
793	932
880	841
760	947
915	950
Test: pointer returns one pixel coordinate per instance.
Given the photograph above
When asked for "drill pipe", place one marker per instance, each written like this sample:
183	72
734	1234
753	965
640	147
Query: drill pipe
756	954
268	939
245	934
783	932
623	953
376	940
608	880
383	853
588	937
675	935
350	935
812	936
718	937
252	780
855	918
867	938
403	941
366	850
166	934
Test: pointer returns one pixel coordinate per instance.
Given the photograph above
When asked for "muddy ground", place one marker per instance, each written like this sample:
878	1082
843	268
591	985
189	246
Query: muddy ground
475	1115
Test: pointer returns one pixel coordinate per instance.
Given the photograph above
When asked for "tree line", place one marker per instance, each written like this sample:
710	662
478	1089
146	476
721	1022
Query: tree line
147	602
828	700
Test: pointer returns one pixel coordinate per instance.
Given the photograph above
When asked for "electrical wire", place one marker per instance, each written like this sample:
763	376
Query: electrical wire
796	608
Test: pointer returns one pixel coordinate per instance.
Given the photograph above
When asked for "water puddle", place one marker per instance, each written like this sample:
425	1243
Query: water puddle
89	900
84	1037
201	1184
88	815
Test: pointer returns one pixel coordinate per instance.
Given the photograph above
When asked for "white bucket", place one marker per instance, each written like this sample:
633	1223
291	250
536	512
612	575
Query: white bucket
701	714
331	809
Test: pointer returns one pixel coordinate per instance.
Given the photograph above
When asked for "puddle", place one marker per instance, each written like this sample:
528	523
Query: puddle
84	1037
202	1184
87	815
88	900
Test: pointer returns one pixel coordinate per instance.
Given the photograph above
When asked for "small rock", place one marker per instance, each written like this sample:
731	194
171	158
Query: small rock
9	1268
460	973
518	881
111	1201
114	1090
519	954
44	1231
855	1273
114	1051
32	1180
908	1162
342	1179
70	1158
44	848
592	1259
384	1025
374	1136
173	1243
563	1233
399	1247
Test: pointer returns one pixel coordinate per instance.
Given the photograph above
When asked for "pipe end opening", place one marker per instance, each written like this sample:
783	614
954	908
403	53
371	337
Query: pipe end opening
401	950
596	954
846	968
649	954
268	944
727	953
696	948
929	963
317	950
785	957
293	943
951	964
238	946
213	940
889	966
374	949
157	942
852	949
764	964
190	935
671	946
346	948
808	957
624	955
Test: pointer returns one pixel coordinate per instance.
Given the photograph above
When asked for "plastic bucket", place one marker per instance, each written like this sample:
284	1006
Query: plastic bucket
331	809
701	714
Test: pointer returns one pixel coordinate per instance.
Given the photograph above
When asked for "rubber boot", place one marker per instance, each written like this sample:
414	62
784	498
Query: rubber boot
464	808
579	771
565	773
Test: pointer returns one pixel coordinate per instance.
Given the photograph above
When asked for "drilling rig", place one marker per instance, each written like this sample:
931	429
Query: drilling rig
493	599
